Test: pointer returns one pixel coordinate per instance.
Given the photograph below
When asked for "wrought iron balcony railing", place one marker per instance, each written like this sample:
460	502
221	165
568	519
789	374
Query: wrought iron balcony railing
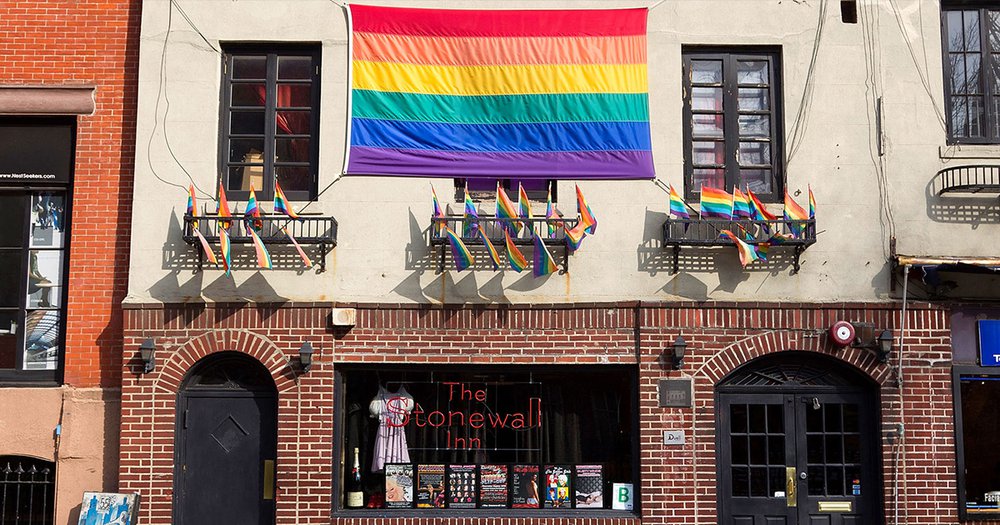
493	226
967	179
307	230
696	232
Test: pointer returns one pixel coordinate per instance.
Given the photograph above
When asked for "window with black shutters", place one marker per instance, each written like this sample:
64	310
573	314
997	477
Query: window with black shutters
972	71
732	121
270	121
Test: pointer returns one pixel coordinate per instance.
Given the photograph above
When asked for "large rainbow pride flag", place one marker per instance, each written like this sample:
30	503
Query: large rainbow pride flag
499	93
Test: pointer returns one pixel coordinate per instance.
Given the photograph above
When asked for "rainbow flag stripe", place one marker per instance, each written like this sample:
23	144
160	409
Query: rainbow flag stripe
209	254
760	211
514	256
552	215
716	203
544	263
251	217
192	205
575	235
494	256
438	211
507	210
586	216
222	210
794	212
263	256
741	205
471	220
747	253
677	206
499	93
226	247
812	204
281	204
459	251
302	254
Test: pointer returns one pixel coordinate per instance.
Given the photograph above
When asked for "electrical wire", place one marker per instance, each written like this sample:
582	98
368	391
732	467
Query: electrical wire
913	56
802	115
191	24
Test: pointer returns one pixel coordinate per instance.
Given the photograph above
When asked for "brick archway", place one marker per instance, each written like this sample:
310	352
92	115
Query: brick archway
176	367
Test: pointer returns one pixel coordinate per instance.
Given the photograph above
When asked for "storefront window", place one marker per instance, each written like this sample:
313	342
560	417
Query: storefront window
511	438
979	469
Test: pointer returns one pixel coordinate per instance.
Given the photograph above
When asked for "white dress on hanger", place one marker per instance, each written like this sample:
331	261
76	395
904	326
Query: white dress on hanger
390	440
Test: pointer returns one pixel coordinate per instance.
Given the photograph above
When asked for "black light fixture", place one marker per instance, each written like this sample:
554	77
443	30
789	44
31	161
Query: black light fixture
306	352
147	353
677	352
884	343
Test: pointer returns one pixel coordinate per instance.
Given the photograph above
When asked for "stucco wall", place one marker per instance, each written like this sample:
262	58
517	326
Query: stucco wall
863	199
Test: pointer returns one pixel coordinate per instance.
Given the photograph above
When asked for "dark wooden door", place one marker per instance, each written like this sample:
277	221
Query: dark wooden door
796	458
225	471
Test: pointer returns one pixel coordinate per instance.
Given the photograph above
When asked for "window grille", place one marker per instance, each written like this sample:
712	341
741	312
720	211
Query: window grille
27	491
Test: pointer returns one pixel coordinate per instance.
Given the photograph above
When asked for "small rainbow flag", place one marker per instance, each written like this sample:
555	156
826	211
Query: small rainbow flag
192	206
224	245
812	204
747	253
544	264
716	203
305	258
281	204
471	222
586	216
463	257
514	256
523	205
222	210
794	213
494	256
252	211
438	212
263	257
761	211
506	210
741	206
575	235
209	254
677	206
552	215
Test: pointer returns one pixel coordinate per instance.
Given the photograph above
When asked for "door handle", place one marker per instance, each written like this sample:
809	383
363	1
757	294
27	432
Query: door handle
790	497
268	479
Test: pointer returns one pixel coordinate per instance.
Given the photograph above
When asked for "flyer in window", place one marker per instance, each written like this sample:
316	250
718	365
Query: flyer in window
558	487
398	485
492	486
430	486
524	487
589	485
461	486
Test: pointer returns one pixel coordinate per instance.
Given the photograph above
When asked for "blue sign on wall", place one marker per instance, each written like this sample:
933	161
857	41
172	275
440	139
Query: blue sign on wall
989	342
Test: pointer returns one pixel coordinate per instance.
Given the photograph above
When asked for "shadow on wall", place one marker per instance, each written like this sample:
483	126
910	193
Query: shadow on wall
960	209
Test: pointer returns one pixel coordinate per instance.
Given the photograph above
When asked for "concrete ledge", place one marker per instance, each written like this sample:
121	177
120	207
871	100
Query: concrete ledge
47	100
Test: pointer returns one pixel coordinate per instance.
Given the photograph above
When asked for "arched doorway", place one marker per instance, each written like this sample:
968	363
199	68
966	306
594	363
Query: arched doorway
226	443
798	442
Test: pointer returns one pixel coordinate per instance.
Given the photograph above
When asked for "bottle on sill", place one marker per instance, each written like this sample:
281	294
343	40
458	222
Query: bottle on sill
355	493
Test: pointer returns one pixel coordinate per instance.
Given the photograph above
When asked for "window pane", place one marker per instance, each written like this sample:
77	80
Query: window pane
294	95
290	68
741	481
758	482
972	80
755	153
44	278
709	153
754	72
294	178
246	150
250	67
706	71
706	98
48	220
710	126
240	178
957	62
760	181
994	30
293	122
248	95
971	30
754	99
713	177
12	220
959	117
755	126
8	339
41	340
976	117
247	123
11	277
955	39
291	150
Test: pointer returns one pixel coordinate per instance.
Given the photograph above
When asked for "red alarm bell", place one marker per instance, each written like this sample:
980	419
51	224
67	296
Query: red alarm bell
842	333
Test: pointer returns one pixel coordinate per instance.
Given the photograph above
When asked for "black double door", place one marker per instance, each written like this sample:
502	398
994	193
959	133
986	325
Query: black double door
796	458
226	451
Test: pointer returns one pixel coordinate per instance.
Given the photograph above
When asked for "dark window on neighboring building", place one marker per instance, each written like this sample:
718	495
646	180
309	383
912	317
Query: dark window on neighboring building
972	71
485	189
27	490
270	121
978	424
479	418
36	157
732	121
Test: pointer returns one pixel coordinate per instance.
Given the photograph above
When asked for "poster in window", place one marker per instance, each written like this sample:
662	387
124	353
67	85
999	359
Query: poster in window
430	486
524	487
558	487
41	340
461	486
48	220
398	486
44	278
492	486
589	486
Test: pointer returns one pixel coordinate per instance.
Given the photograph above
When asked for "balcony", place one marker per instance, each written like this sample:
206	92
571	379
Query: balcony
492	225
967	179
702	233
307	230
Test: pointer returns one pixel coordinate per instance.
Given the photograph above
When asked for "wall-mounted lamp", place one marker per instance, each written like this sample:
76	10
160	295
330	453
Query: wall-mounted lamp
881	346
306	352
884	342
676	356
147	353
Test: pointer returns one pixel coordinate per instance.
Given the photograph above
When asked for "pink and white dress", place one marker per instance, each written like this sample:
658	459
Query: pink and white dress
390	439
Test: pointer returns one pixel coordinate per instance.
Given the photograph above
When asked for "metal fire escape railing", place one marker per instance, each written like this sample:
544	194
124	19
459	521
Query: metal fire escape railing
697	232
310	230
968	179
27	491
493	226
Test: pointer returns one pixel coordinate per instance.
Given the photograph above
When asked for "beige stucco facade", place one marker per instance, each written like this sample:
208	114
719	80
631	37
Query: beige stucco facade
864	198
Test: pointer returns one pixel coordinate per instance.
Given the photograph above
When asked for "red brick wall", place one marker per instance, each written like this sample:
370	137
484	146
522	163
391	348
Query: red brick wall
678	483
56	42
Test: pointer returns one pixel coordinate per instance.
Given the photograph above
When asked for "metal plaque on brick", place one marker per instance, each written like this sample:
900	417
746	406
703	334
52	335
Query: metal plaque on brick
676	392
673	437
